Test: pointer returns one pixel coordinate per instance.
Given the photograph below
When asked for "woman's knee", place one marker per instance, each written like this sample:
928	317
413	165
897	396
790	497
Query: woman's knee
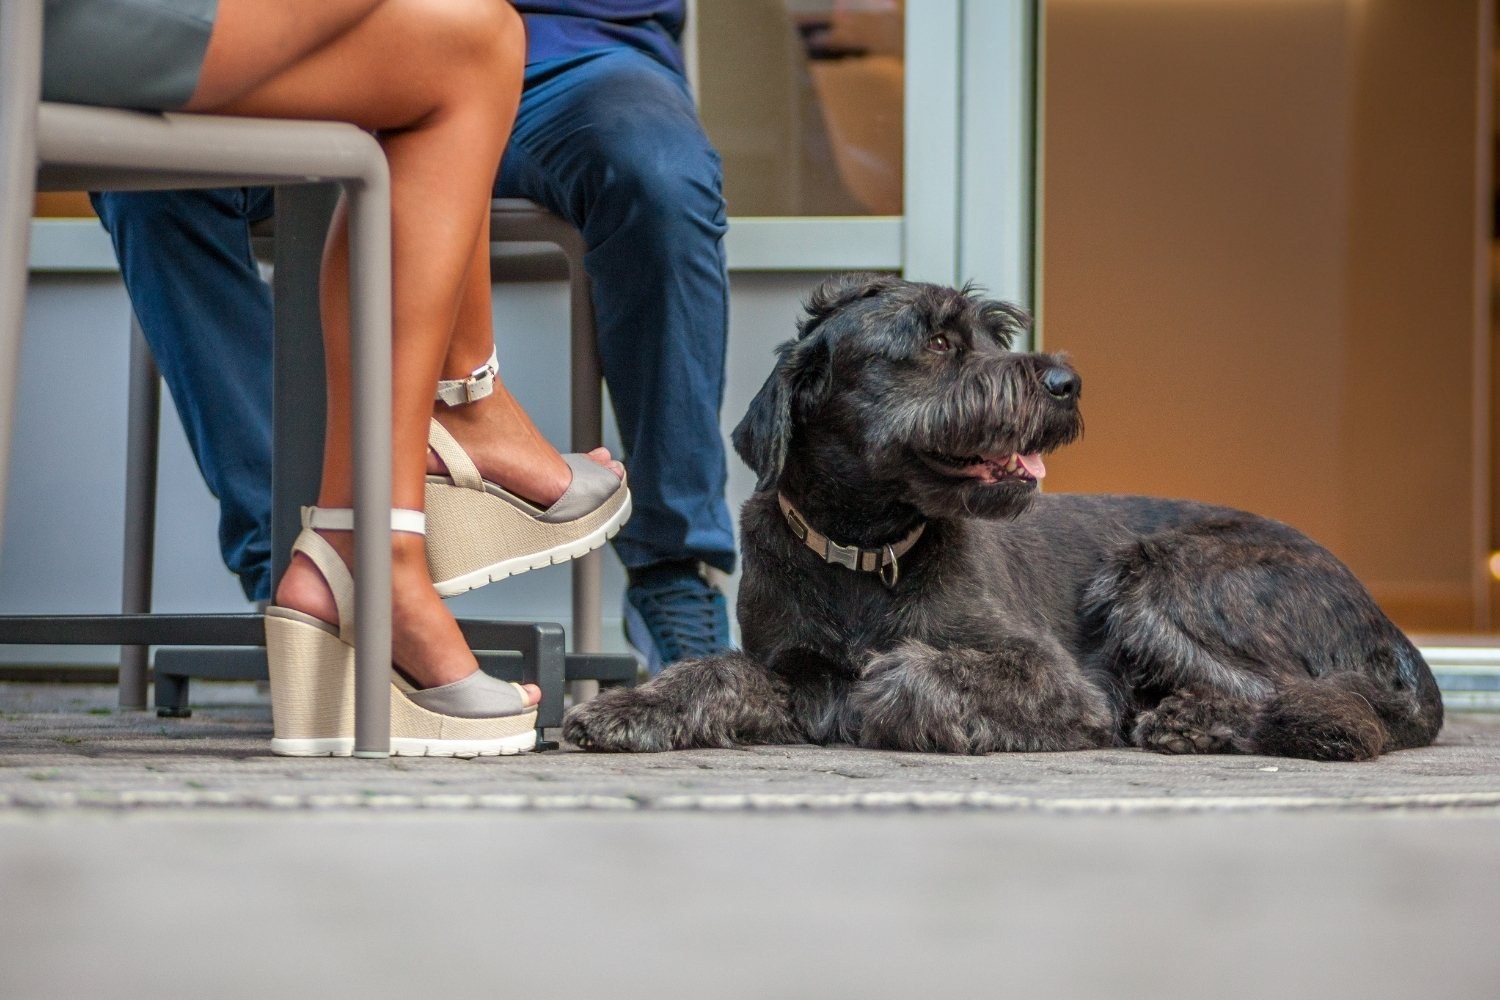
483	36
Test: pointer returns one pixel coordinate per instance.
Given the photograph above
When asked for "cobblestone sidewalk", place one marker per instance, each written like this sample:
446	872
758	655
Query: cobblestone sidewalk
68	746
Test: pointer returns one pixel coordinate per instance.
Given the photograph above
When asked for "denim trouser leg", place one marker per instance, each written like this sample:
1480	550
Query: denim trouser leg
185	257
611	141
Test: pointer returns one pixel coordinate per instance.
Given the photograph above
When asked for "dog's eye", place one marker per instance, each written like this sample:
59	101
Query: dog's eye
939	342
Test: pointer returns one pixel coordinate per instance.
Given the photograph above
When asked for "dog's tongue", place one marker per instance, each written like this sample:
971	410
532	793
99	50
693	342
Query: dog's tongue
1033	464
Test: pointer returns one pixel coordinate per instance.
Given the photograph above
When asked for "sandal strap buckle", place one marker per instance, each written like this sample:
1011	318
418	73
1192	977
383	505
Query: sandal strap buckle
479	384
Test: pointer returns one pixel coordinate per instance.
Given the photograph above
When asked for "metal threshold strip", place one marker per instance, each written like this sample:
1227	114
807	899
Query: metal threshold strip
1469	676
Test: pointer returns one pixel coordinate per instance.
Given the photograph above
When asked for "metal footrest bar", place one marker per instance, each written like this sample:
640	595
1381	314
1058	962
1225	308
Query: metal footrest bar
231	647
609	669
133	630
527	652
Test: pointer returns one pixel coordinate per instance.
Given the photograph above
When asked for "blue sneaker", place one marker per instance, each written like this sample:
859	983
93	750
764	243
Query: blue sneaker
672	613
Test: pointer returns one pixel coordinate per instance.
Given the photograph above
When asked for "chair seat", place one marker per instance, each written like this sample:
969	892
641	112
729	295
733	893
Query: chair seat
85	148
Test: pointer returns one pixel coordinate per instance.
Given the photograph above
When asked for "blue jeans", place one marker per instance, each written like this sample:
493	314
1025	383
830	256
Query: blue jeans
194	285
608	140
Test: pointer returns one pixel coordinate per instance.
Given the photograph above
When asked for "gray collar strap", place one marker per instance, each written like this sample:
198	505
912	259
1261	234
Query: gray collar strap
882	560
479	384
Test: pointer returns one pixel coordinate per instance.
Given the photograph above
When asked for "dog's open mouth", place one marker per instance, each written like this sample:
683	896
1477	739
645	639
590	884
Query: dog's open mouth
996	468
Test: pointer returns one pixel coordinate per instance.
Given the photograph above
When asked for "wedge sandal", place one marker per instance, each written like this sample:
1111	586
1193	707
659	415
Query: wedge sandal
312	676
479	532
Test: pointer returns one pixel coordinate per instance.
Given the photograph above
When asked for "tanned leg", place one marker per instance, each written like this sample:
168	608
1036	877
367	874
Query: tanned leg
439	81
495	431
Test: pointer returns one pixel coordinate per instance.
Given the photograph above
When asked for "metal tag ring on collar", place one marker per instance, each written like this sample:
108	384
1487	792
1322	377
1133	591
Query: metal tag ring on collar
890	571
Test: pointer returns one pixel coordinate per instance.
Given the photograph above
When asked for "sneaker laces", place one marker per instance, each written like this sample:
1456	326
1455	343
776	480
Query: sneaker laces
683	617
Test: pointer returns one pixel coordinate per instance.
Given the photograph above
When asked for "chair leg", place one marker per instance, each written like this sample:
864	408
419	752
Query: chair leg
142	425
587	424
303	212
172	696
20	89
370	315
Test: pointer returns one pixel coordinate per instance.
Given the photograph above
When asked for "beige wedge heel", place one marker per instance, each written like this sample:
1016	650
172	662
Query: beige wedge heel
312	677
312	686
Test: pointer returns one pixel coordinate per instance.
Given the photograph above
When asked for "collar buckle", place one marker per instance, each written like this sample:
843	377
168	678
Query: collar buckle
883	562
842	555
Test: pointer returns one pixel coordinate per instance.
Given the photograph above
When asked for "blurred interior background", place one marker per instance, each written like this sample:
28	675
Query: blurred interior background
1264	230
1267	240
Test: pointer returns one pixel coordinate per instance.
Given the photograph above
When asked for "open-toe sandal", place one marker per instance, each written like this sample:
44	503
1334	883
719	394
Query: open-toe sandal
478	532
312	676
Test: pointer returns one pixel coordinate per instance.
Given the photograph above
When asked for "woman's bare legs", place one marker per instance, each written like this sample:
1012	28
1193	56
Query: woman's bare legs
439	80
498	435
253	42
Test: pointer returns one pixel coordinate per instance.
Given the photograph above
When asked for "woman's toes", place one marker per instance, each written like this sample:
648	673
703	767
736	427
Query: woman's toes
533	695
603	457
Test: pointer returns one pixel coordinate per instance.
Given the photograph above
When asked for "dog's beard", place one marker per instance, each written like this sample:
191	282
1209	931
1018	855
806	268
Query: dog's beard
975	453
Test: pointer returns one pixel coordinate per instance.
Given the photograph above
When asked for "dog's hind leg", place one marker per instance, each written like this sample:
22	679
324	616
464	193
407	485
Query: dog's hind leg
719	701
1018	694
1240	635
1344	716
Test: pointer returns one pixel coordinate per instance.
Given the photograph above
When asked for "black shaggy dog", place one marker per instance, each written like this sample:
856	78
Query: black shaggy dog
907	587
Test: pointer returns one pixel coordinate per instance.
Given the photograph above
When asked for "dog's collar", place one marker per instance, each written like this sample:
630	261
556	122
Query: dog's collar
882	560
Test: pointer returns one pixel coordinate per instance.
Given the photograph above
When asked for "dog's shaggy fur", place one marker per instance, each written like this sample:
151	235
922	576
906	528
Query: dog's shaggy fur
1020	621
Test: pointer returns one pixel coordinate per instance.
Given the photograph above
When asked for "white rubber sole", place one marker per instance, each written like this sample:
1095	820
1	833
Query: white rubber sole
405	746
556	555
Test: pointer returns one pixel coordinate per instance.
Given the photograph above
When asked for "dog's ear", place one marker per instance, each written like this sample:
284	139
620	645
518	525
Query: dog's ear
839	291
798	383
801	379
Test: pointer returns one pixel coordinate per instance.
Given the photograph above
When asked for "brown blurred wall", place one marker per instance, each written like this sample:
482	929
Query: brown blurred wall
63	204
1262	244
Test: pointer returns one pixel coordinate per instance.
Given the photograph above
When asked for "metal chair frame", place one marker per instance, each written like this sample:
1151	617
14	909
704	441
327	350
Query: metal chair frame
71	147
49	146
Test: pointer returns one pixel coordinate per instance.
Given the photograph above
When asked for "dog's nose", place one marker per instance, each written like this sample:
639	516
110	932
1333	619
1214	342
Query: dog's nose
1061	383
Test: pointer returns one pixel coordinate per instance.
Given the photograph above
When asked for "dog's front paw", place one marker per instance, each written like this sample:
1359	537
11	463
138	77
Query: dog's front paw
903	702
621	720
1013	696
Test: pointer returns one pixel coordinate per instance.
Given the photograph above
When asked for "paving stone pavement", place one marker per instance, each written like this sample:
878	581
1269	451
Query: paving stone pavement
67	745
176	858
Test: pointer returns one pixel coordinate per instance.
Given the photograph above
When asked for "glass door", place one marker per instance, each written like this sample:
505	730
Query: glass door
873	134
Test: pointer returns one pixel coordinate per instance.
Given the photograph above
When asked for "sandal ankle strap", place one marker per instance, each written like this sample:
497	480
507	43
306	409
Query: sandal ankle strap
479	384
331	564
461	468
413	522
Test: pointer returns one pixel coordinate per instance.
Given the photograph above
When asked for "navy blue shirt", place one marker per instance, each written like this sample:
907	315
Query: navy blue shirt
556	28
